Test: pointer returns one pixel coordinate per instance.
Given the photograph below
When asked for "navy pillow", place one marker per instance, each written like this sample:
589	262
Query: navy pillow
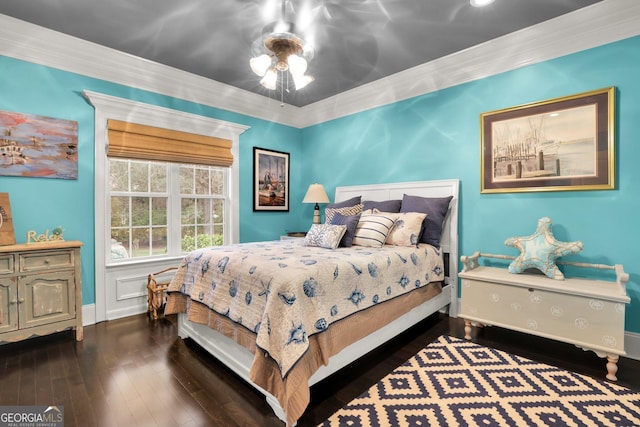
351	222
392	206
351	202
435	208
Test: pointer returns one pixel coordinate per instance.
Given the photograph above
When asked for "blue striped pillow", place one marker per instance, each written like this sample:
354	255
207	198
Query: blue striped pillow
373	229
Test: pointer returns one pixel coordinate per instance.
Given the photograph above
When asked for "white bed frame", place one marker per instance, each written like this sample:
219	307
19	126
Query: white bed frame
239	359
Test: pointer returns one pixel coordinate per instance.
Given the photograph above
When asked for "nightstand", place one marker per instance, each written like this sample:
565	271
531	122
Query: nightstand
294	235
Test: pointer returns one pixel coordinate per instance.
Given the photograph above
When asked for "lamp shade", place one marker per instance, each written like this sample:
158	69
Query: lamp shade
316	194
270	79
301	81
260	64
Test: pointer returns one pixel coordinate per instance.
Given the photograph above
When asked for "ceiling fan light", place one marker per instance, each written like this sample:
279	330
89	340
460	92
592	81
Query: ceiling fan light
300	81
480	3
270	79
297	65
260	64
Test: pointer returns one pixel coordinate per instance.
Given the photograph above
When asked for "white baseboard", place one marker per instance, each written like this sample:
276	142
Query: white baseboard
632	345
88	314
127	311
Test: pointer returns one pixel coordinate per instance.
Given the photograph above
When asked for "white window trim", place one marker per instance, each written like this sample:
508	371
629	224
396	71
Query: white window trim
110	107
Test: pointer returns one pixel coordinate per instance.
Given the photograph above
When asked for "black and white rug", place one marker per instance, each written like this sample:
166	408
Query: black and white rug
454	382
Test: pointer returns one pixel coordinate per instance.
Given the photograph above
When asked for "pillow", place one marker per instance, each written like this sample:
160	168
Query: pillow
351	202
385	206
324	235
406	231
347	210
351	222
435	208
540	251
373	229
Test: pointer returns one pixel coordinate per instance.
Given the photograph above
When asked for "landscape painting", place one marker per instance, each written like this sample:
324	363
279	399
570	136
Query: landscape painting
37	146
560	144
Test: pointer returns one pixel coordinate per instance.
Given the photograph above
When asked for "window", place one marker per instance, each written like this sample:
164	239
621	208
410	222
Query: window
161	209
202	202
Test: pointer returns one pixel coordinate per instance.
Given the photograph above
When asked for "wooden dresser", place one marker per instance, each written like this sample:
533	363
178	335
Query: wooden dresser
584	312
40	289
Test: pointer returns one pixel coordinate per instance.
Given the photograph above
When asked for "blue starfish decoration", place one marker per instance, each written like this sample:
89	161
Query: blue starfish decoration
540	251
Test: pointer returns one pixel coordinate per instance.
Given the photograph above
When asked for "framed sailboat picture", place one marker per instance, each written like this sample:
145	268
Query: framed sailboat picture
560	144
270	180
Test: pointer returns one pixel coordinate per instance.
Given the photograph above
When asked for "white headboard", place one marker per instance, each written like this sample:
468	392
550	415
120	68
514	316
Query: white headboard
395	191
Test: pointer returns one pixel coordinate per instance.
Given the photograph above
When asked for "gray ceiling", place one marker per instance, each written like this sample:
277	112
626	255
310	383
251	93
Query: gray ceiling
356	41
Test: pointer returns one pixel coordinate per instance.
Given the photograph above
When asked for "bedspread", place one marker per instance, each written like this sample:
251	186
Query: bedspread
285	292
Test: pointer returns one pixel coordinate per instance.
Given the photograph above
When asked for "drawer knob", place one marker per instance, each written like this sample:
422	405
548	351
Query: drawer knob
47	261
531	289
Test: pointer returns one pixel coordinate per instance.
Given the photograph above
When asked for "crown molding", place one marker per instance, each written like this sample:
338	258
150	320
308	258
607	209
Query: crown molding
39	45
601	23
596	25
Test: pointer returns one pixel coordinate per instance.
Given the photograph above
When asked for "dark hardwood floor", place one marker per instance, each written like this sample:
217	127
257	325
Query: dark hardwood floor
137	372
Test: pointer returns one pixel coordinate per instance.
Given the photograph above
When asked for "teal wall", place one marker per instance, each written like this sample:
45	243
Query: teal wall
41	203
434	136
437	136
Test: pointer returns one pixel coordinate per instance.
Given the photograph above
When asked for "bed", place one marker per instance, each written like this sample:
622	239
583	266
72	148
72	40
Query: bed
282	342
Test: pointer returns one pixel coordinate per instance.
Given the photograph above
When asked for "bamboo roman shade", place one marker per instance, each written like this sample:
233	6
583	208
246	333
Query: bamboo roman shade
141	142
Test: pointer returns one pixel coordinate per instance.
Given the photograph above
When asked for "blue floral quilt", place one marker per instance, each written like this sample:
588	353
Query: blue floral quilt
285	291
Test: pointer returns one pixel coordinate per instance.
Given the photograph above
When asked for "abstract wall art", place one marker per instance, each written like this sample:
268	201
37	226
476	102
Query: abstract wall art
37	146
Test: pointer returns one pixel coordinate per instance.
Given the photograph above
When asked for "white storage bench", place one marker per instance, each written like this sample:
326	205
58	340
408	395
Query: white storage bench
586	313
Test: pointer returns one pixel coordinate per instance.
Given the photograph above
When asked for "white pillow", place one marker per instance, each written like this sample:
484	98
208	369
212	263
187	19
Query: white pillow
406	231
373	229
325	235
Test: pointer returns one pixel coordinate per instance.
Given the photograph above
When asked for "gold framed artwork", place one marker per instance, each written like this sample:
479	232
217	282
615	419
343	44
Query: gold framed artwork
559	144
7	235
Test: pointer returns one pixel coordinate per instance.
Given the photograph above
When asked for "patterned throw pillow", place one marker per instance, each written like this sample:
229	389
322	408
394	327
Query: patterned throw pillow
406	231
325	235
346	211
373	229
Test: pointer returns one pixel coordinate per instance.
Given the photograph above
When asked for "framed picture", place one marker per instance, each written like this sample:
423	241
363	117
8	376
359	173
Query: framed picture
555	145
38	146
270	180
7	236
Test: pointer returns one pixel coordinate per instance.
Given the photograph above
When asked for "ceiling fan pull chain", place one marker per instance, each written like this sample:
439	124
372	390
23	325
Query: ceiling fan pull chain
282	87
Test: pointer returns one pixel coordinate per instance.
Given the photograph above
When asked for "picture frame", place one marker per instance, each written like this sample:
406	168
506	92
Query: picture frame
270	180
38	146
560	144
7	235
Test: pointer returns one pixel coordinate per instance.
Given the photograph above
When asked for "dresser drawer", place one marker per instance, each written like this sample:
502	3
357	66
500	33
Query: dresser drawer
6	264
42	261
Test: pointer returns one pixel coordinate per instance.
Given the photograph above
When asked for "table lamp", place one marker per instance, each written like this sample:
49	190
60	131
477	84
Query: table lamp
316	194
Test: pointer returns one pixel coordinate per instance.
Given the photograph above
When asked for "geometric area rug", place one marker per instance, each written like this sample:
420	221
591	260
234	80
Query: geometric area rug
455	382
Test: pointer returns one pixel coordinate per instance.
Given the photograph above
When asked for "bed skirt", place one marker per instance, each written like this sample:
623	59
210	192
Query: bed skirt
292	392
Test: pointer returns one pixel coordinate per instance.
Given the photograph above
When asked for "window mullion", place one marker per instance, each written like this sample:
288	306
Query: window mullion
174	231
